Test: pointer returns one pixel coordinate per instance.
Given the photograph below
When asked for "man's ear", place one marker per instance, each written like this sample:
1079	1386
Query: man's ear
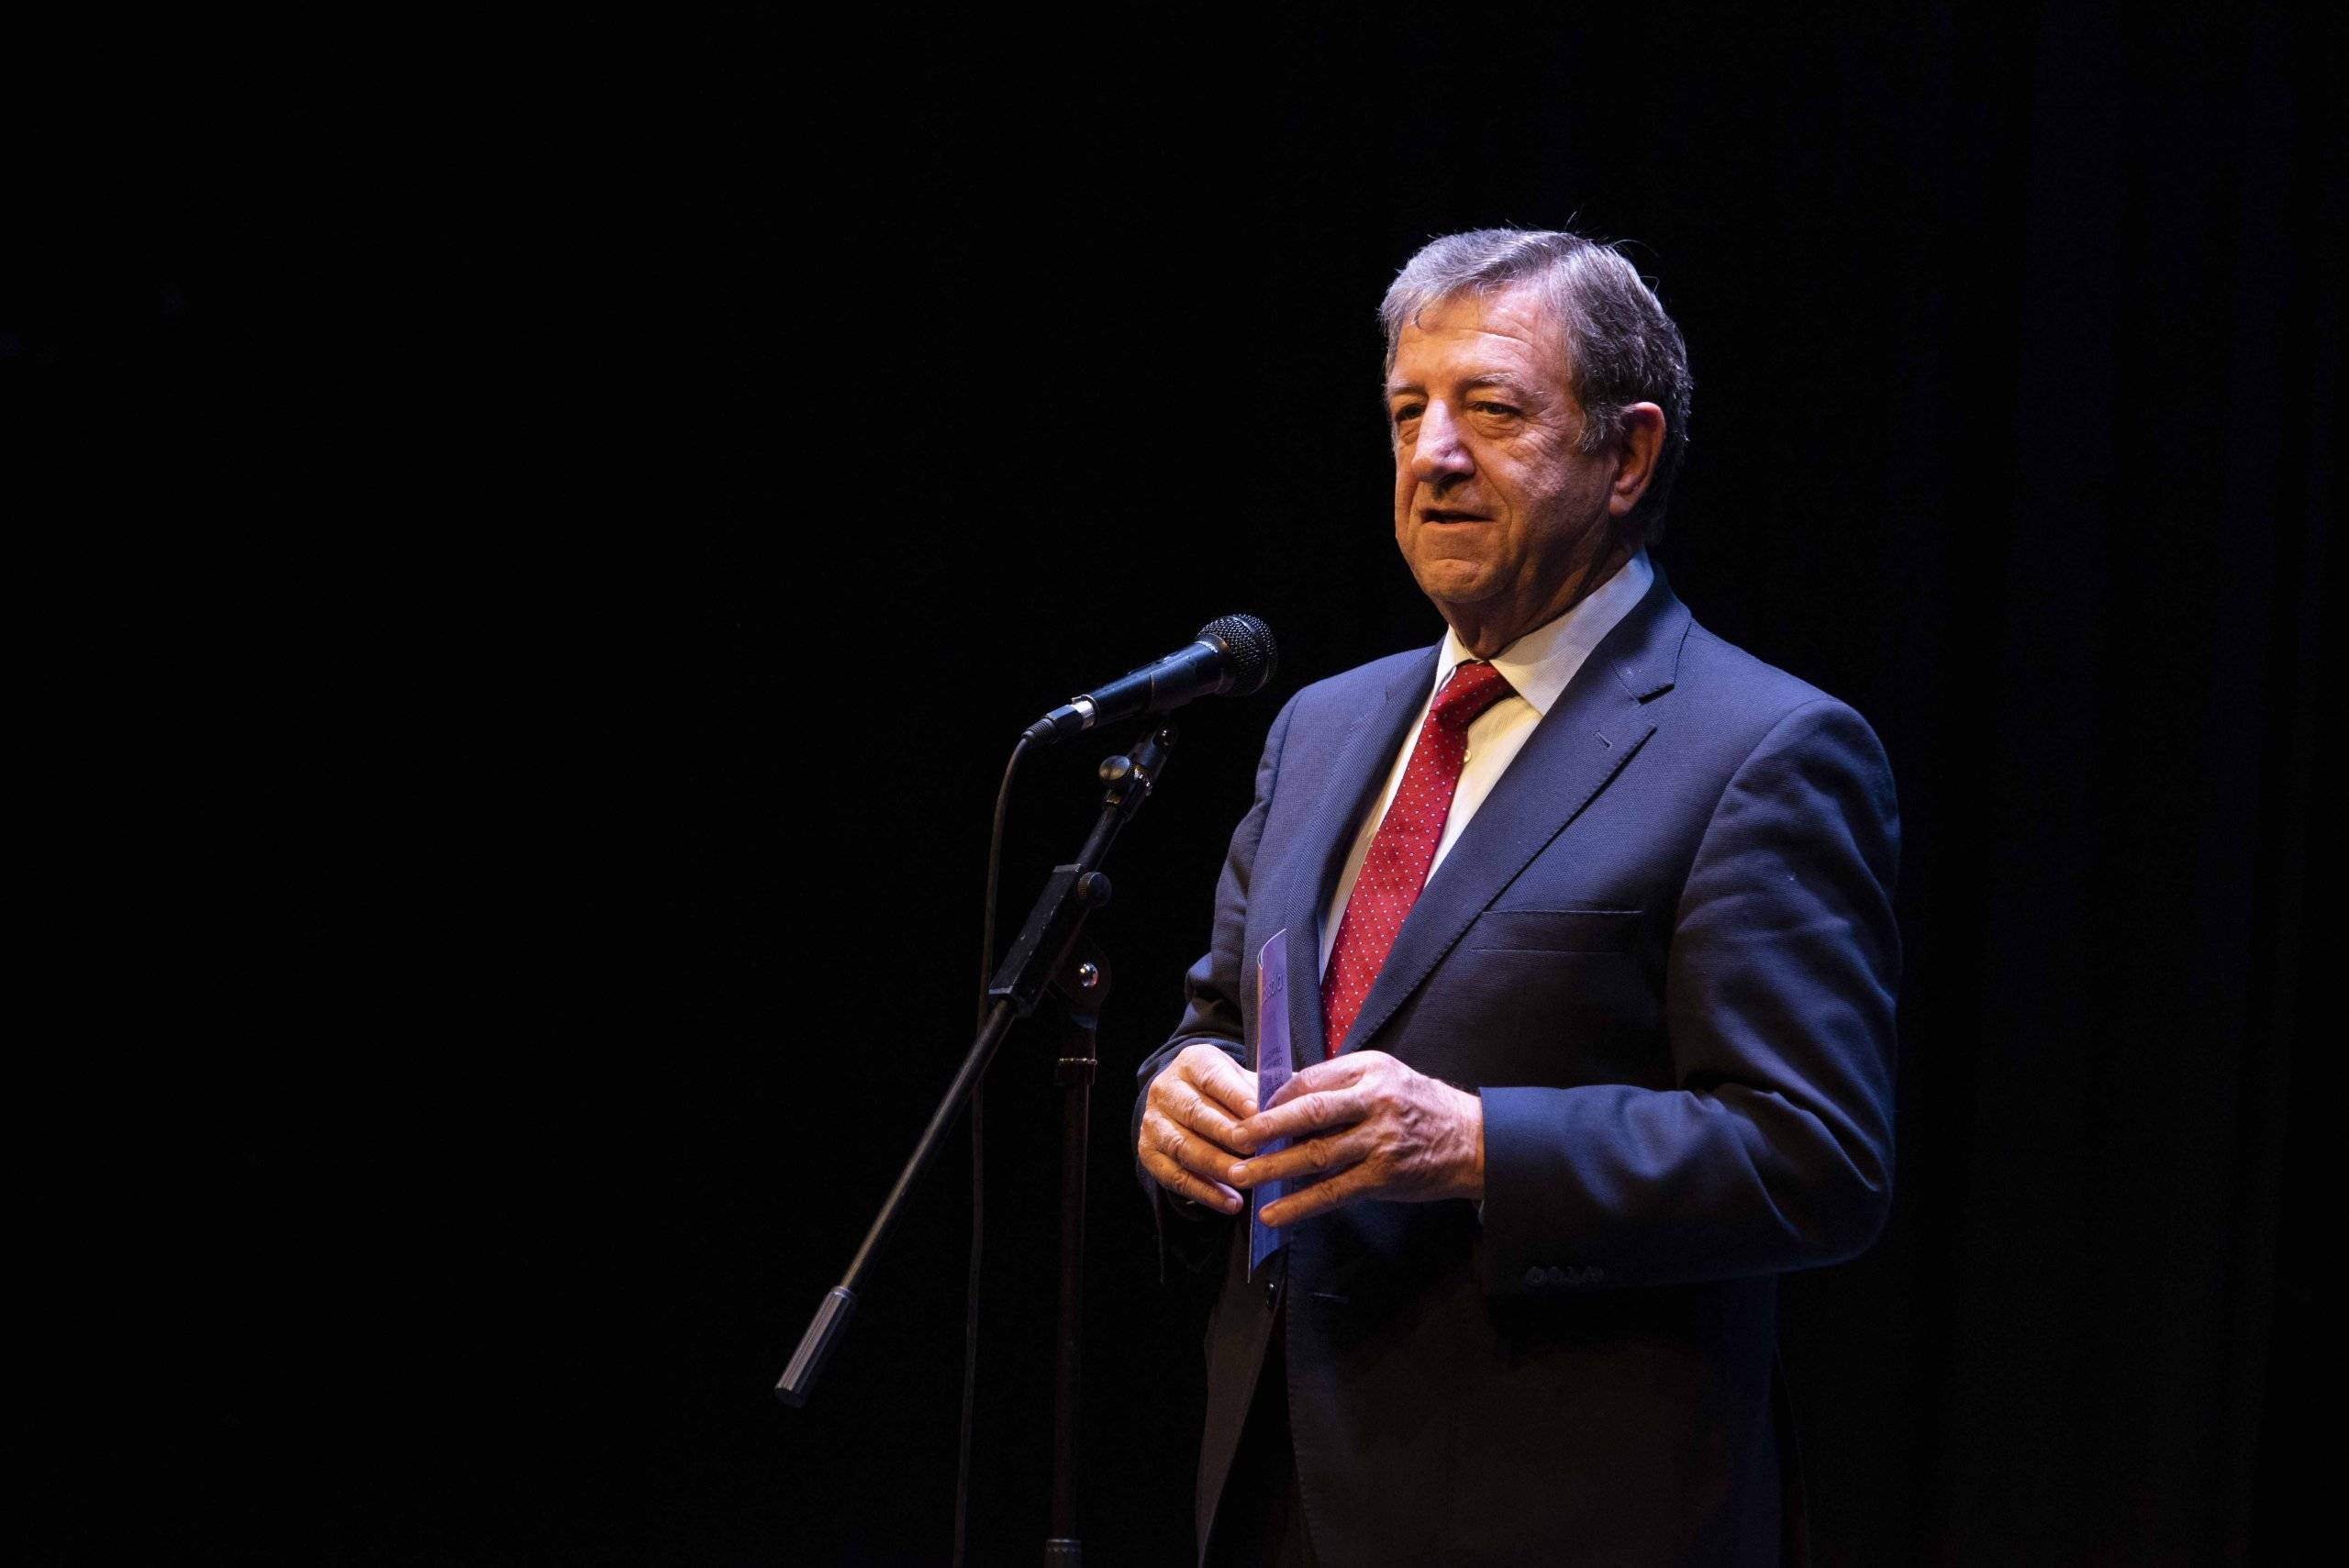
1641	441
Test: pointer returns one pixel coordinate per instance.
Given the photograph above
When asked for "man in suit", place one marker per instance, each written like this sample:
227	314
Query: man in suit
1588	922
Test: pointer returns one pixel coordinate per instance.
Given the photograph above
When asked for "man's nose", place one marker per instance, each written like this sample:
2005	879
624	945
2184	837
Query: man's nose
1439	453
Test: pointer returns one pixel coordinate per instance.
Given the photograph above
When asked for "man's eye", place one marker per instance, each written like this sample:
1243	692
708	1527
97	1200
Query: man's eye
1404	416
1502	409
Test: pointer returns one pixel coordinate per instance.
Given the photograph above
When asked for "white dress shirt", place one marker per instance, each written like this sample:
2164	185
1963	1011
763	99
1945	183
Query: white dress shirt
1537	666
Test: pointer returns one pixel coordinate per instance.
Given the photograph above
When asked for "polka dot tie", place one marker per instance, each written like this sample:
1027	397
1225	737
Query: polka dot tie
1404	847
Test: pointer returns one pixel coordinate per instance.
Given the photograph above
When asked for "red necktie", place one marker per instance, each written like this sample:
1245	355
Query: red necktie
1397	867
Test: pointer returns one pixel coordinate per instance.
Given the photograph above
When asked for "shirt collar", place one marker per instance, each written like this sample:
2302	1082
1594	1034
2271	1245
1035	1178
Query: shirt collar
1539	664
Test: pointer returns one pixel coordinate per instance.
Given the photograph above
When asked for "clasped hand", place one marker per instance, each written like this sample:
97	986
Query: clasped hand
1365	1123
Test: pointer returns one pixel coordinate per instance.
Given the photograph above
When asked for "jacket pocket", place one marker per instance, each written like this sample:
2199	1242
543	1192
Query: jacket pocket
1553	931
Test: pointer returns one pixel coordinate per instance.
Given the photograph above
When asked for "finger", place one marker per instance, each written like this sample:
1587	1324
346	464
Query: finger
1325	1075
1184	1103
1308	1157
1228	1082
1319	1198
1182	1182
1181	1147
1209	1071
1335	1108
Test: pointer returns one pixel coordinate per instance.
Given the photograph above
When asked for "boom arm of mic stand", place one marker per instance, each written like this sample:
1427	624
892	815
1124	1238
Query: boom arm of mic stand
1073	891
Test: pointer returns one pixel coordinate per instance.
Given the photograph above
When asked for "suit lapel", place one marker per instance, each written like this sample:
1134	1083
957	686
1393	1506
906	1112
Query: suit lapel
1581	744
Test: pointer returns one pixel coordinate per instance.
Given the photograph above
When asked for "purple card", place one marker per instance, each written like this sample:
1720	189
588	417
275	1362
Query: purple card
1271	1071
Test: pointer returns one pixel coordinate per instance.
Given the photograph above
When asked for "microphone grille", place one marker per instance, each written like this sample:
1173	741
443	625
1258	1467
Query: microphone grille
1250	643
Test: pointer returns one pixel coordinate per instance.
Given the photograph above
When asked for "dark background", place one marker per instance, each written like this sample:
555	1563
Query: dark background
576	517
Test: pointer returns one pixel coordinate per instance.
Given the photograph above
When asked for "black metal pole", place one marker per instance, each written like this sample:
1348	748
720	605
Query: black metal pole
840	1303
1086	989
1037	959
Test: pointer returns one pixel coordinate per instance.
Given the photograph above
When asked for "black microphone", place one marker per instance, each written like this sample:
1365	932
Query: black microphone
1234	653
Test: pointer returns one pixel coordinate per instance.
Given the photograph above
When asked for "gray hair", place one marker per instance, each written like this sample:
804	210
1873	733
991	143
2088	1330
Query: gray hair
1621	348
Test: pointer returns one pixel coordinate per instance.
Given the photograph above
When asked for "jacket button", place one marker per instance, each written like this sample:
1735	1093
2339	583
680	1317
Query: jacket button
1535	1278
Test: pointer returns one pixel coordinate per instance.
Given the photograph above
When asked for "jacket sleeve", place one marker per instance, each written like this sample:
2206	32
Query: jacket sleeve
1774	1149
1212	1012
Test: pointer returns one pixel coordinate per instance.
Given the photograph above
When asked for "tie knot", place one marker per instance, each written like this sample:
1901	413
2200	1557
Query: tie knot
1474	687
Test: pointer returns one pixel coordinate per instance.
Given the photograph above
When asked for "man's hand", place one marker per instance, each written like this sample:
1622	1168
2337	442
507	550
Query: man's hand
1190	1124
1376	1127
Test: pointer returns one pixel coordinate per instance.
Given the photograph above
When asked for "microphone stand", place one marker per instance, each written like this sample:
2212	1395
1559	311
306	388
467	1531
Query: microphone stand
1051	953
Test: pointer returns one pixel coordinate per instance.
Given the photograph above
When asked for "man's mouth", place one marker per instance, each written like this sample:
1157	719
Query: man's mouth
1451	515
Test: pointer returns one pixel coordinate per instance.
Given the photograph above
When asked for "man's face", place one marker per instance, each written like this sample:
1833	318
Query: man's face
1496	513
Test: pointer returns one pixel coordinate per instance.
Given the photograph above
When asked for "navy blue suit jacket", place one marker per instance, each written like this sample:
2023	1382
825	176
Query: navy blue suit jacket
1664	954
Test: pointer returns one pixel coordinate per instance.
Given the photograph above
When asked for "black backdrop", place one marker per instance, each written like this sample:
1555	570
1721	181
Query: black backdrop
596	505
